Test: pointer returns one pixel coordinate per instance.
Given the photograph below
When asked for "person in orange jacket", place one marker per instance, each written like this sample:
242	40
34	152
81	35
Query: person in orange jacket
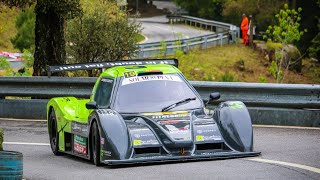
244	28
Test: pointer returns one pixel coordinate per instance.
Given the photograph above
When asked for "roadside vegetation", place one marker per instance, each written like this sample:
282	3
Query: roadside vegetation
98	30
238	63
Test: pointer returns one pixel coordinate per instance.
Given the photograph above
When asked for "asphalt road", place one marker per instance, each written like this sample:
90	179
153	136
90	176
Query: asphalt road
300	147
156	29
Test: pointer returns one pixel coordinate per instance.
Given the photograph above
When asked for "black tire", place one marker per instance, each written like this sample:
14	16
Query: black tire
95	144
53	133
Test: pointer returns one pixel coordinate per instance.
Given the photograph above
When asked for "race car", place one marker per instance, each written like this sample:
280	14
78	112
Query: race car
146	111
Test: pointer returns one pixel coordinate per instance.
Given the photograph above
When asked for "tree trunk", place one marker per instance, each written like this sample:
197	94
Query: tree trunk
49	40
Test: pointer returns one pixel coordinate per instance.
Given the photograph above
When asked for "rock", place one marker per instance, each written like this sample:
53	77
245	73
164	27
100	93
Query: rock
291	55
240	65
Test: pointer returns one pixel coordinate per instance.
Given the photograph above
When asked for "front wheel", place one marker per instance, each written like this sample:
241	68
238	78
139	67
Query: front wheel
95	144
53	133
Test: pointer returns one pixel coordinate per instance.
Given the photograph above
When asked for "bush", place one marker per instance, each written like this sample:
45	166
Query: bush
227	77
102	33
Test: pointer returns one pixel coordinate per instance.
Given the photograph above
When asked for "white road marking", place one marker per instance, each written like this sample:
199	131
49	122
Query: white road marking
26	143
26	120
254	125
286	127
300	166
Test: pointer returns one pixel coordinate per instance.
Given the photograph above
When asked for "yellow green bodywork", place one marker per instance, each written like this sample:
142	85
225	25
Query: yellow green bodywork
119	71
69	109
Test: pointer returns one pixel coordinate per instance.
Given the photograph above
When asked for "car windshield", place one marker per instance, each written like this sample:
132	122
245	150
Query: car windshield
152	93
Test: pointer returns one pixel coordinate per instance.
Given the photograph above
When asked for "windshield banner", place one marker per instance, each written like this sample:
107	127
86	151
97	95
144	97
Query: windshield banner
137	79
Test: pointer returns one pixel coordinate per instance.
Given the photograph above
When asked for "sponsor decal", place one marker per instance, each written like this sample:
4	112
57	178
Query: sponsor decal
138	79
105	153
138	142
200	131
236	105
80	144
129	74
185	113
107	112
79	128
199	138
142	135
106	80
150	157
208	153
206	138
170	116
139	130
107	64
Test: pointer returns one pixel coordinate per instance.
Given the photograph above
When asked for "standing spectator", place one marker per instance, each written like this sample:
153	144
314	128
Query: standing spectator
244	28
251	31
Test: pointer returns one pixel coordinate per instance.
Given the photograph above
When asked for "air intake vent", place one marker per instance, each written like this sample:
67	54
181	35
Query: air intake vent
148	150
210	146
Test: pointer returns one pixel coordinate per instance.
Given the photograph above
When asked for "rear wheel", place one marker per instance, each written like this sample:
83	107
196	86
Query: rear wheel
53	133
95	144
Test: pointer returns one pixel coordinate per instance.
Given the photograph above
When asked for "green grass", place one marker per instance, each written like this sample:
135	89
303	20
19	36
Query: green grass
231	63
139	38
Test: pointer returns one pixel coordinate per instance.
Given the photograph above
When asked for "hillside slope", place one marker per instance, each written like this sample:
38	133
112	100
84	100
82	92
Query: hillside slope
239	63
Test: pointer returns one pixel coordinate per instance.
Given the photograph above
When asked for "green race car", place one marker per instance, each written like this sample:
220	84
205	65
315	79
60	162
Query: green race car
146	111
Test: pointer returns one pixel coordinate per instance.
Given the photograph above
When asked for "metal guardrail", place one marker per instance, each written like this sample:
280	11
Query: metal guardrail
289	104
220	37
214	26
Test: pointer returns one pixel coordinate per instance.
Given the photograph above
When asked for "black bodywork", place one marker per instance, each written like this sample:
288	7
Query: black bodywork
176	135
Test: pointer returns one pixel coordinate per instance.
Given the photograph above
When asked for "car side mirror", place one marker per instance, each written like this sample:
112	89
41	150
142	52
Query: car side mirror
213	96
91	105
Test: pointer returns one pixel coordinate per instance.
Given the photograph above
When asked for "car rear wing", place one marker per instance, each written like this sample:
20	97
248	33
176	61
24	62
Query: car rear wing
108	64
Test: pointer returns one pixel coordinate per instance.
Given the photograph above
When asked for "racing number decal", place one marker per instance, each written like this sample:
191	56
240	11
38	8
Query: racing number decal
129	74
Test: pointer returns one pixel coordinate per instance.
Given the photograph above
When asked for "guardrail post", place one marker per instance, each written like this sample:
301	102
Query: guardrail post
141	54
185	46
221	37
205	44
238	32
233	34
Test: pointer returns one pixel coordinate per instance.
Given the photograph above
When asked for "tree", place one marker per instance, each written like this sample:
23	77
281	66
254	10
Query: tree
314	49
286	32
310	14
102	33
263	11
49	30
210	9
25	24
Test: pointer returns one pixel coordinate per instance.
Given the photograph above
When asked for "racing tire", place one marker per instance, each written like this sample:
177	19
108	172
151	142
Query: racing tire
95	144
53	133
